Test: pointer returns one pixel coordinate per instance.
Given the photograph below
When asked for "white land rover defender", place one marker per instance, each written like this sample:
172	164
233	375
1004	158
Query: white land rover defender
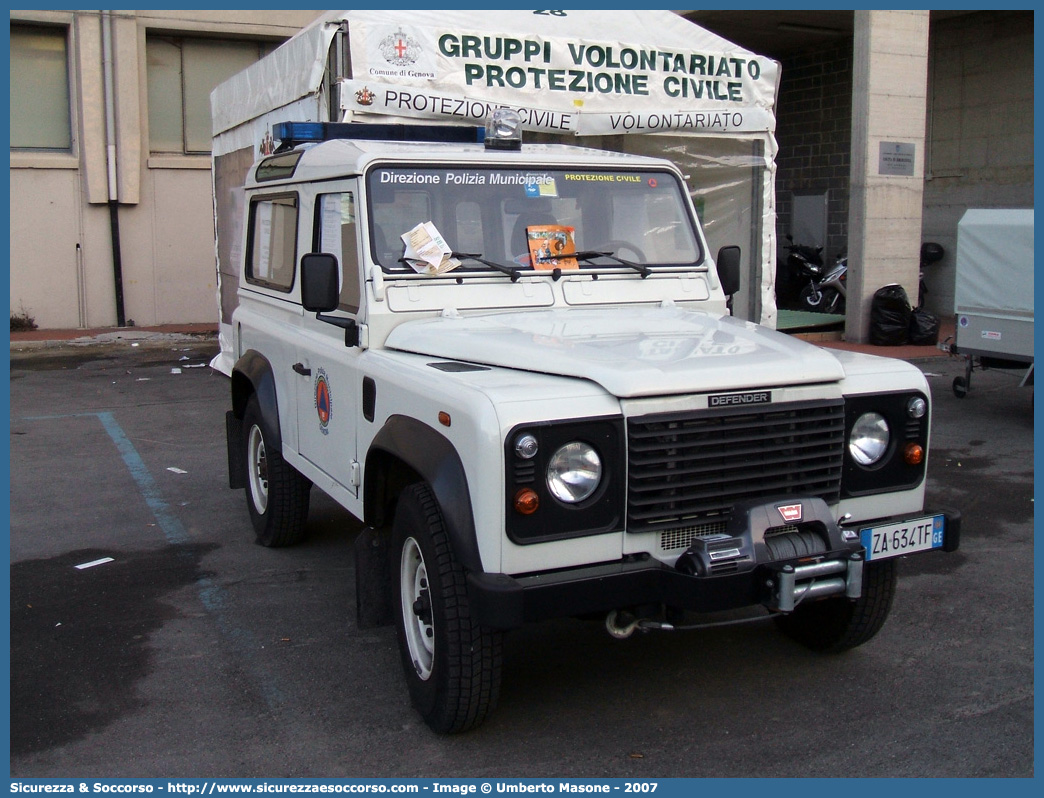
555	414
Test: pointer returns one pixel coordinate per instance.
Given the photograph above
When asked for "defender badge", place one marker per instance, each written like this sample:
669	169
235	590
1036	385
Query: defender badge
791	512
739	399
323	401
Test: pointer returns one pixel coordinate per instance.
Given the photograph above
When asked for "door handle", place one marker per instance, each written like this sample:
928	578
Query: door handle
302	369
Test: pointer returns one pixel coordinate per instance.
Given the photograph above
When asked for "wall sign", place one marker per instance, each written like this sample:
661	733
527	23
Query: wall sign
896	158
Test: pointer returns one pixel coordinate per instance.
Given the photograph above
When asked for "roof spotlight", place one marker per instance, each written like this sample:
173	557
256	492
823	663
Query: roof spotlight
504	130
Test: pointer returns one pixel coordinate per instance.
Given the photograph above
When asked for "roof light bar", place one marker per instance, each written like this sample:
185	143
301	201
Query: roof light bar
290	134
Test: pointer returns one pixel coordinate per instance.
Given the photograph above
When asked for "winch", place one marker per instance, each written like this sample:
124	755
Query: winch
796	545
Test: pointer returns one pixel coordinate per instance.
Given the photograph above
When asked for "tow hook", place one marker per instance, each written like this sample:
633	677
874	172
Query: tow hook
618	627
622	624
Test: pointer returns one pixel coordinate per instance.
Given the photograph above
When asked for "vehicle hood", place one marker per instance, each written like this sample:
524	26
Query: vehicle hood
631	352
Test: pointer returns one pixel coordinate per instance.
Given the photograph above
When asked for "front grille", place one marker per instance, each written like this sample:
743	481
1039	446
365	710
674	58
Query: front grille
682	537
686	469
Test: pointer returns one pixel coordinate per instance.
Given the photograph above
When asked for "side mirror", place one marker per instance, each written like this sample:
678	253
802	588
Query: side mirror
320	292
728	263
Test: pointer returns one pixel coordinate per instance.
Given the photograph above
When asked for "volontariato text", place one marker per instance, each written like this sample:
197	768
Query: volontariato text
577	68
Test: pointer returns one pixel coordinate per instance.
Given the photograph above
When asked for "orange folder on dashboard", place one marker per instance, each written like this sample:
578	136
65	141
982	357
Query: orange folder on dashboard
550	246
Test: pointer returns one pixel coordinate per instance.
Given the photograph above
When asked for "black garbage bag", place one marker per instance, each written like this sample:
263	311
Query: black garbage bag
924	328
890	315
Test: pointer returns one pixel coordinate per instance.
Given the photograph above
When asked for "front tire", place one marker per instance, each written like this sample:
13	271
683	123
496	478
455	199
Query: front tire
811	299
452	664
833	625
277	494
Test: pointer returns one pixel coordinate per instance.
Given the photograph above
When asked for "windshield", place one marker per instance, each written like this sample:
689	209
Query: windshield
533	218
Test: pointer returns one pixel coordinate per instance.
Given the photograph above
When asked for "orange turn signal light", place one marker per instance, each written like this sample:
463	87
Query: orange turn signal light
526	501
913	454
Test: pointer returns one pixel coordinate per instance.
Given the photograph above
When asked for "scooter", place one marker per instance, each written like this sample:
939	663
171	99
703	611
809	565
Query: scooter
828	295
802	264
823	291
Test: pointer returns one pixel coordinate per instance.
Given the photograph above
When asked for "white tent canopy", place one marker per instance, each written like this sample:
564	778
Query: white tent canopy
654	67
640	81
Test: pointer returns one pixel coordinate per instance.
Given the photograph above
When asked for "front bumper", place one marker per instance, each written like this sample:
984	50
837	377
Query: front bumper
507	602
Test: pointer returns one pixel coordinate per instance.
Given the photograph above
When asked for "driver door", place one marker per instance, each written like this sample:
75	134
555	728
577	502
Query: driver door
328	381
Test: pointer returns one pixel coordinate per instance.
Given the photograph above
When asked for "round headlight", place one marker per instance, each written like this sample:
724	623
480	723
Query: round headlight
869	439
574	471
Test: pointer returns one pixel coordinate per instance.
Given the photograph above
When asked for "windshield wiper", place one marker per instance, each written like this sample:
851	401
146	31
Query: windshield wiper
591	254
510	271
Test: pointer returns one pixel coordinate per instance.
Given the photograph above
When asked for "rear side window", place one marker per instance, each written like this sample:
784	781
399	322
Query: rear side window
278	167
272	242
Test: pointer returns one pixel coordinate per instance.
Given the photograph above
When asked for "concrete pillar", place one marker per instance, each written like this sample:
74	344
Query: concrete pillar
889	89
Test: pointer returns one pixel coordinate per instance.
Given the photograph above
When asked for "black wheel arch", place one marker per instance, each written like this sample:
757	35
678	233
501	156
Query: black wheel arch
407	450
253	375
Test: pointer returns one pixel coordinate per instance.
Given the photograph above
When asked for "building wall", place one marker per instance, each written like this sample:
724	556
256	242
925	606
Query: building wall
61	245
45	240
813	124
980	129
979	137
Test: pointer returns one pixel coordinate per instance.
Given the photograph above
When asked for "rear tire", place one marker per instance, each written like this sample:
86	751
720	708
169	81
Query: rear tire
277	494
827	300
451	663
836	624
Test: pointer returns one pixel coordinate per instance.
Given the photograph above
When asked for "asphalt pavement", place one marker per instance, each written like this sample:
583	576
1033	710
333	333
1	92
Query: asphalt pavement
194	652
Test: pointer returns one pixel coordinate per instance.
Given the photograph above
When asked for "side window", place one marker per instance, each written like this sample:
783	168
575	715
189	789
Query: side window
40	118
337	236
272	242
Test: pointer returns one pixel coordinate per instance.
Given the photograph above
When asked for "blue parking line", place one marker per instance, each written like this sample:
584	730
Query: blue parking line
172	528
212	596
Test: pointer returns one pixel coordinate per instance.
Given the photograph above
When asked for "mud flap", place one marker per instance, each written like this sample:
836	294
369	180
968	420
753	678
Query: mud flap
373	605
234	442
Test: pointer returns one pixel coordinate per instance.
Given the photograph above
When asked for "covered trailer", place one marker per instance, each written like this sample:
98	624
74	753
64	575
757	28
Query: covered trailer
644	82
994	292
